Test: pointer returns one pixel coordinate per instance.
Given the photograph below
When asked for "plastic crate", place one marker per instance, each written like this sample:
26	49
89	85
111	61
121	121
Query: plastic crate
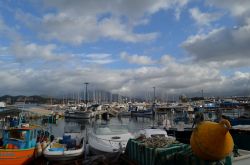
173	154
143	155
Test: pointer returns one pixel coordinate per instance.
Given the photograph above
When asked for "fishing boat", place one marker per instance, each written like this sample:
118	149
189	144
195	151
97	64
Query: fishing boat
78	114
19	145
124	113
142	113
104	139
182	136
52	118
240	121
241	135
68	147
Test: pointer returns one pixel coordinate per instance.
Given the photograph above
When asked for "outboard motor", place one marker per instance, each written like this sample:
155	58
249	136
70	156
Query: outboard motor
52	137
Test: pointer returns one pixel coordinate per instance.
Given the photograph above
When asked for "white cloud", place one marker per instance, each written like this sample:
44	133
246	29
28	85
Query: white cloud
239	9
98	55
180	4
83	21
166	59
81	29
99	58
32	51
174	79
203	18
69	29
7	32
230	46
80	21
113	29
133	9
137	59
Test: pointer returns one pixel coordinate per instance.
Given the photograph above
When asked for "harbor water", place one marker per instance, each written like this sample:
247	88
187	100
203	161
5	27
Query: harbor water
134	124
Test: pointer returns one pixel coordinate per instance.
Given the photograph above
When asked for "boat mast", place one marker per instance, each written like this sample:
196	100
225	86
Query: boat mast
154	95
86	94
154	104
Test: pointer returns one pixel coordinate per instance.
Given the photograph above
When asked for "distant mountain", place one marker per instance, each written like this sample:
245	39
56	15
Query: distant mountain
27	99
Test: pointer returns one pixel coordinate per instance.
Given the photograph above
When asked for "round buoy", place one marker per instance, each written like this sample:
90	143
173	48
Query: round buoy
212	141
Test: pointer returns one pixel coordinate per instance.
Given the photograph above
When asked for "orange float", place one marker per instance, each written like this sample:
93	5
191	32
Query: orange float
212	141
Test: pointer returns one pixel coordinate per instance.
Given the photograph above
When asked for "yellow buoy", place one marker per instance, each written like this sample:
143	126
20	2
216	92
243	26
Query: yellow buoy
212	141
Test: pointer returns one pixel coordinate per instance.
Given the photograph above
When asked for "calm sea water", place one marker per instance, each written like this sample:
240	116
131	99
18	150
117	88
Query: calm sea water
62	125
134	124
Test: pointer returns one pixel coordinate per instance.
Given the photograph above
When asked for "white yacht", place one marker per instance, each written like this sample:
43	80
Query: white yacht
104	139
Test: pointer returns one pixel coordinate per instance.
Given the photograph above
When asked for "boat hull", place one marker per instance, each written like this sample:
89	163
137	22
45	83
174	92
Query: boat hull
102	146
124	113
78	115
95	151
142	113
109	155
181	136
58	152
64	157
16	157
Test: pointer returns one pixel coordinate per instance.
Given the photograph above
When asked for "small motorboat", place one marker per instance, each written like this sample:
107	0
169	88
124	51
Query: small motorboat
104	139
68	147
64	149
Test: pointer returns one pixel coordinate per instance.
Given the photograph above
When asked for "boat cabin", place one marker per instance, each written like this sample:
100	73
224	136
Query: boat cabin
19	138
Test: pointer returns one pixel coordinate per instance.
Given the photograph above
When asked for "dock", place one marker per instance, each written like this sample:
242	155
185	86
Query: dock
10	111
29	112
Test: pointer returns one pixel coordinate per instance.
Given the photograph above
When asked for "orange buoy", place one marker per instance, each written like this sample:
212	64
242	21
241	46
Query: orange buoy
212	141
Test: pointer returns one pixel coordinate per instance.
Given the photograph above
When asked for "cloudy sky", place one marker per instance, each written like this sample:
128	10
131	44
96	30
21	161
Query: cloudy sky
125	46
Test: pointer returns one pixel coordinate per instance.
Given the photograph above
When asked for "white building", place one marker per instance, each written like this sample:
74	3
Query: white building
2	104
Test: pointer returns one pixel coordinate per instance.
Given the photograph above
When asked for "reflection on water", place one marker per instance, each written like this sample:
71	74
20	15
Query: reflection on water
134	124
